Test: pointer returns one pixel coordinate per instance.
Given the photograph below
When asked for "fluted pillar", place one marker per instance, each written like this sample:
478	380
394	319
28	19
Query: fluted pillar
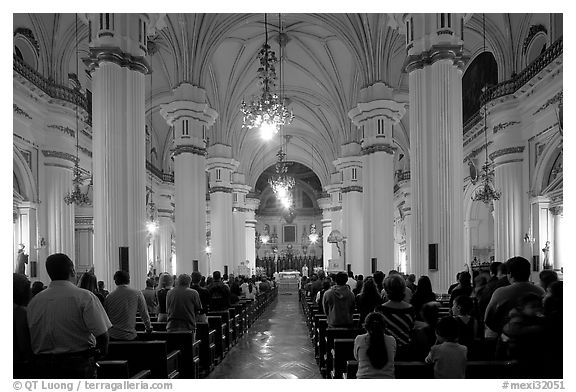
334	190
375	114
220	166
325	204
239	210
436	148
509	225
60	219
190	116
558	217
116	60
251	205
350	166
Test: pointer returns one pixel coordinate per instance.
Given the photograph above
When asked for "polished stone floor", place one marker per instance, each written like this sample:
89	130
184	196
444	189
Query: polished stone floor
277	346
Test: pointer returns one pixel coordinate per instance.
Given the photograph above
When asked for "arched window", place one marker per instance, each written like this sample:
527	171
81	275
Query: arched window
481	72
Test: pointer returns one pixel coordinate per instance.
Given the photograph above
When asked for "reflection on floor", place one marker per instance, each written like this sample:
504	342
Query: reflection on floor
277	346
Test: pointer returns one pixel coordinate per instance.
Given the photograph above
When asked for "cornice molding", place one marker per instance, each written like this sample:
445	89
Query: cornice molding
436	53
19	111
387	148
117	56
224	189
353	188
500	127
555	99
506	151
189	148
59	154
68	131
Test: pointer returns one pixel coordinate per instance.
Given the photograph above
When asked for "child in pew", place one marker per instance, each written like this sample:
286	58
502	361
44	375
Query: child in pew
375	350
448	357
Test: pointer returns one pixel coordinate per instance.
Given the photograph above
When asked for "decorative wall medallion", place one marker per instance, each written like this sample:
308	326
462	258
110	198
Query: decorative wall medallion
504	125
18	110
29	36
506	151
555	99
534	29
557	210
61	128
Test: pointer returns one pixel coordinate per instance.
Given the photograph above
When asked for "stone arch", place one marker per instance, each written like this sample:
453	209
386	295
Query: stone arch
26	47
551	154
24	177
482	71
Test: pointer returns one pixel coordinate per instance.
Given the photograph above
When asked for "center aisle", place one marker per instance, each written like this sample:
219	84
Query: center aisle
277	346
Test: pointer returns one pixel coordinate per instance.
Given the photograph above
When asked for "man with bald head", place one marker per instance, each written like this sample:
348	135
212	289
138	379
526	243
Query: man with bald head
68	325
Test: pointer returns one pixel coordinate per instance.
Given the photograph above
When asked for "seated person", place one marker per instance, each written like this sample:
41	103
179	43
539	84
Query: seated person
375	350
424	334
467	326
448	357
338	303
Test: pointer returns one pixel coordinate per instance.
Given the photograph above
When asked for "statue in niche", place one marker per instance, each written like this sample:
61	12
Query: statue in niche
546	250
21	260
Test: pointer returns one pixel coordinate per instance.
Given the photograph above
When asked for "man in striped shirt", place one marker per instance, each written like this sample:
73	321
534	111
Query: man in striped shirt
121	306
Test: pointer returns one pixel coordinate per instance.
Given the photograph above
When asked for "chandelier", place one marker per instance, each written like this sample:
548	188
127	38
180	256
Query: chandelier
77	196
281	183
267	112
152	213
486	193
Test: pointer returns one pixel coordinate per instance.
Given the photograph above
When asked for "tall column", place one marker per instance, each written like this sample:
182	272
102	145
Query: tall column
509	228
84	239
27	221
434	63
190	116
350	166
335	192
117	63
251	205
220	166
60	219
326	205
376	114
240	190
558	217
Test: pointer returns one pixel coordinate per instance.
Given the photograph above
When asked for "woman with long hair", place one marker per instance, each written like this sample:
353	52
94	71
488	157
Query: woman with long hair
368	298
89	282
165	284
423	295
375	350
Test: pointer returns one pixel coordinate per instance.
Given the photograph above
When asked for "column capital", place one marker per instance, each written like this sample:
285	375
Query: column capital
252	203
221	166
189	102
377	101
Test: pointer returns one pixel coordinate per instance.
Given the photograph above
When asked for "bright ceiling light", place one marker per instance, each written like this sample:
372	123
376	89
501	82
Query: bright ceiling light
268	130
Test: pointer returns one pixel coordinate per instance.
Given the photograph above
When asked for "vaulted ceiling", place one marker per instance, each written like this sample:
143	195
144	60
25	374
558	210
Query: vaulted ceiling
327	59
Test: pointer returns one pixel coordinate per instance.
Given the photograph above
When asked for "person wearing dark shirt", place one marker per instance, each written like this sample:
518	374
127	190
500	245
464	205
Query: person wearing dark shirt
204	296
235	293
464	287
22	350
165	284
151	296
423	294
368	298
317	284
264	285
219	293
454	285
499	279
411	282
103	292
379	280
338	303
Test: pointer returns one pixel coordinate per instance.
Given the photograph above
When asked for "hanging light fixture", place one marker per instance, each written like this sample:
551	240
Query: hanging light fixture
77	196
267	112
151	211
486	193
281	183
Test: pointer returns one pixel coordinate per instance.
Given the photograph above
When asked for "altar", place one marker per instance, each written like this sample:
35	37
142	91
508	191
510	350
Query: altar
288	282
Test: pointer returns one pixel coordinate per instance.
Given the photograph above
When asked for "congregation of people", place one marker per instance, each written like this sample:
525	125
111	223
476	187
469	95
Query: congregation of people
62	330
495	315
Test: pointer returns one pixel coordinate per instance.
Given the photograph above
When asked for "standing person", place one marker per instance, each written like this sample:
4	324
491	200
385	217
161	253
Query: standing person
352	283
359	283
464	287
499	278
375	350
219	293
448	357
204	296
68	325
88	282
506	298
184	306
379	280
368	298
411	283
150	296
423	294
122	305
21	350
103	292
21	260
165	284
338	303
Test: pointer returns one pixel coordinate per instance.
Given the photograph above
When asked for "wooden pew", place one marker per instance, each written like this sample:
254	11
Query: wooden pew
151	355
215	323
321	326
118	369
227	329
156	326
342	352
331	335
207	348
189	350
351	369
493	369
